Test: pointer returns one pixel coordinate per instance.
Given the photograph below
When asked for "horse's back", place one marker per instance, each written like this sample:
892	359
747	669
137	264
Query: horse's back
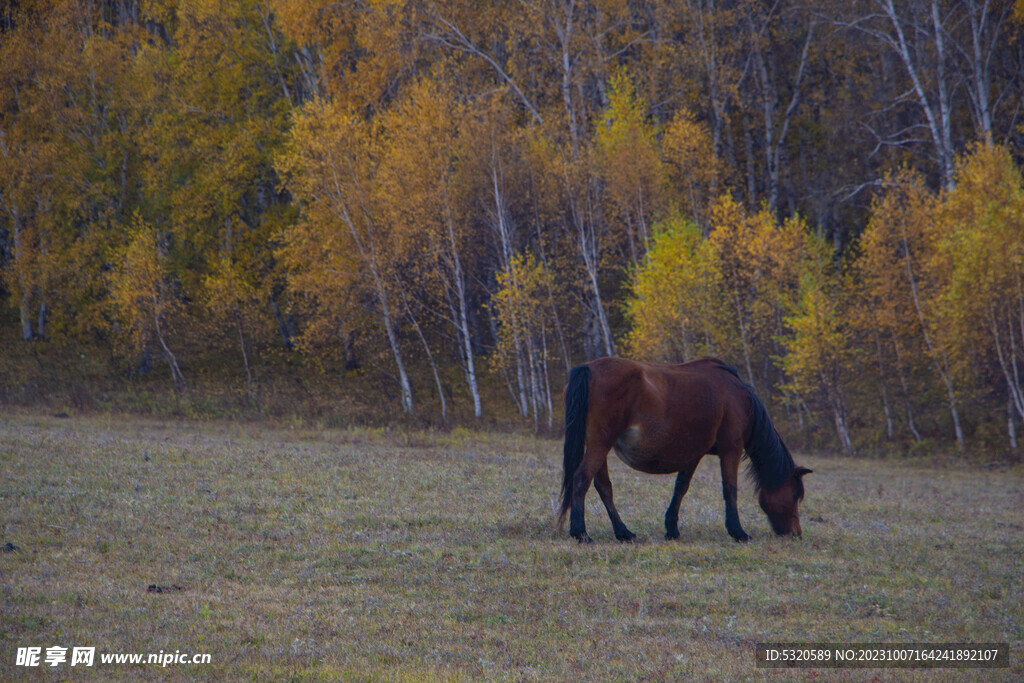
623	379
662	413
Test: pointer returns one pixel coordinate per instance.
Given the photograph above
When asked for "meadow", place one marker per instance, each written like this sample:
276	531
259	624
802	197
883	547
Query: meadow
298	553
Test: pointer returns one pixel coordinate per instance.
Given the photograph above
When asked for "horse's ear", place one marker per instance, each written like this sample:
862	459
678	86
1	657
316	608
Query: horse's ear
801	471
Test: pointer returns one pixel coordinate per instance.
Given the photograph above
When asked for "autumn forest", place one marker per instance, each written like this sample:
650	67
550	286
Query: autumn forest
438	208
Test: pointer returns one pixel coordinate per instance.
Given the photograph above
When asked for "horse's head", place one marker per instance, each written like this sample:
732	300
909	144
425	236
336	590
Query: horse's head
780	504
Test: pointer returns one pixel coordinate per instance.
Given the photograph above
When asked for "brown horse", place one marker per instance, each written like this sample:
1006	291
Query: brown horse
662	419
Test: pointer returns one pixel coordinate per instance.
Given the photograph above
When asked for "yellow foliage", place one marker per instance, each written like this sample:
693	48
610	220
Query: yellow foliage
725	295
982	222
520	307
329	167
674	297
417	171
694	173
760	261
818	344
138	287
628	162
902	270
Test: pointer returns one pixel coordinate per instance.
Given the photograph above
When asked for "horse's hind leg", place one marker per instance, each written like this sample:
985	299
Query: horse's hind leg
730	462
593	461
603	484
672	514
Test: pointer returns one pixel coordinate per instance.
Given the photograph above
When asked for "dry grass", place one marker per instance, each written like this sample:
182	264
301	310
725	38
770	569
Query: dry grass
303	554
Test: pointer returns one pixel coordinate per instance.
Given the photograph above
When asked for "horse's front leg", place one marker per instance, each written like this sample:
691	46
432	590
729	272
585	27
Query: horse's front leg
603	484
672	514
730	462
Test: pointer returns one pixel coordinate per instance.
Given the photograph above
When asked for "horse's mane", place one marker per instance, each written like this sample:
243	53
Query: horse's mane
769	461
732	371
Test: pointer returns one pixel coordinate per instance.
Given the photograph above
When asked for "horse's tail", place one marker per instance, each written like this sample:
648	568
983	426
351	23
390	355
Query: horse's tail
770	461
577	397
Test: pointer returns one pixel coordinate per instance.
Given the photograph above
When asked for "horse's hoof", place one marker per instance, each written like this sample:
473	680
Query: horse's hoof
627	537
672	535
583	538
741	537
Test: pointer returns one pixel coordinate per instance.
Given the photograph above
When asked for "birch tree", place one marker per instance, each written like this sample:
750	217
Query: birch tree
417	184
523	334
902	240
141	296
331	167
984	240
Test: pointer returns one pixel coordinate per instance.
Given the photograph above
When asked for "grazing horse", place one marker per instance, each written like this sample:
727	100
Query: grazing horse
662	419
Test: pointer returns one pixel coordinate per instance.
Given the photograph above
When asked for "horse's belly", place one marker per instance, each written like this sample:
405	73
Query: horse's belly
639	454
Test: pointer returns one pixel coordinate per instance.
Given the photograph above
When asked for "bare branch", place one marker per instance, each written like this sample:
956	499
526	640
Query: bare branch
454	38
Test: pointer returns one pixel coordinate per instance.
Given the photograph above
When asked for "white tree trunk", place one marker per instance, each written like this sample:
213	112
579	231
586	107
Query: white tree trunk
462	326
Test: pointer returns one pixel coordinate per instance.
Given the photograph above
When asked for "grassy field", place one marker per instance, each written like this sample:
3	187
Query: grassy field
318	555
